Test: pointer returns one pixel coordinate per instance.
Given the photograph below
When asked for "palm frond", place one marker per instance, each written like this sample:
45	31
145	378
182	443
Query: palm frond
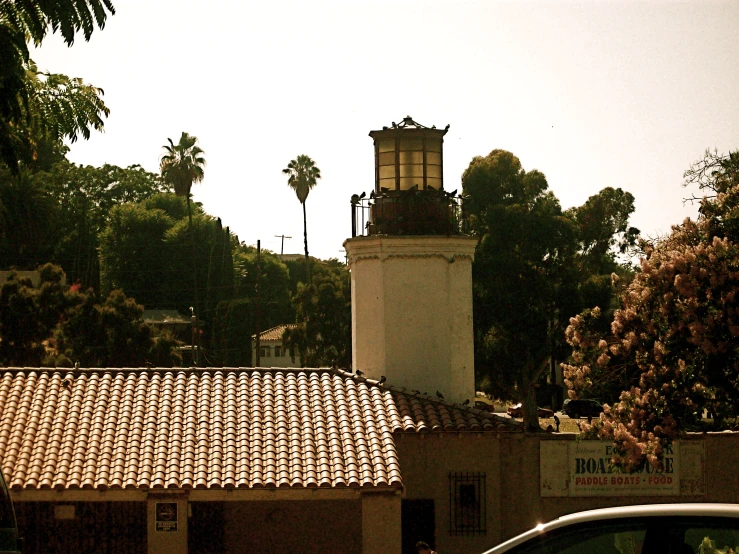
182	164
303	176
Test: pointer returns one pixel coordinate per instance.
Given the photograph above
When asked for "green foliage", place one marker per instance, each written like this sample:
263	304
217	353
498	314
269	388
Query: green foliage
84	196
535	267
27	215
132	250
55	324
182	164
174	206
219	285
21	329
673	344
189	245
233	327
111	334
56	105
603	225
274	291
322	336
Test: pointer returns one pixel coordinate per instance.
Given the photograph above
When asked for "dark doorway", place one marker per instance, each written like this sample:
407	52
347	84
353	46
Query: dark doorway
418	524
205	528
73	527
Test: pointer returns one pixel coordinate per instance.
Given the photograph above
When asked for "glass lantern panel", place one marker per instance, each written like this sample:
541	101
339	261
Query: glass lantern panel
411	170
406	183
433	145
386	158
387	172
388	184
410	144
433	158
432	171
386	145
433	182
411	158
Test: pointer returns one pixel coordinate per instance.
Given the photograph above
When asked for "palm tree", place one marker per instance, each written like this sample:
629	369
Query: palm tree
182	166
303	175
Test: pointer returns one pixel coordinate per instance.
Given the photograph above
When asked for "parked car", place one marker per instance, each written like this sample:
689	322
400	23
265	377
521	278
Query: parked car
582	408
517	411
646	529
488	407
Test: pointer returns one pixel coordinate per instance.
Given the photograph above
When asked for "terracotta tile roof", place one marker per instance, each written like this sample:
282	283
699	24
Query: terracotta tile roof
275	333
215	428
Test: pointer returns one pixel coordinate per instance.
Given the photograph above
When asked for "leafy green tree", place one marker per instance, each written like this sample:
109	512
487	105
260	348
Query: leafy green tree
55	324
108	334
233	327
322	336
27	215
274	288
133	253
182	260
29	314
673	344
21	329
182	165
171	204
535	267
24	108
83	198
603	229
220	269
303	175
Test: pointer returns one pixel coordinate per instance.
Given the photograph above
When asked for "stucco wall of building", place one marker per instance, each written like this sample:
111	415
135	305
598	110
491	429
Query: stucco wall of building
412	312
293	526
427	461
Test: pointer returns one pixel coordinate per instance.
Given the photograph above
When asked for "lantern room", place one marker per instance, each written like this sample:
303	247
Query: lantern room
409	196
408	156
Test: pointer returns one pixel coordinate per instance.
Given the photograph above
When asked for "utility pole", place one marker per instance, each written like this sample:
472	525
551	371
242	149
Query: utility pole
256	318
282	246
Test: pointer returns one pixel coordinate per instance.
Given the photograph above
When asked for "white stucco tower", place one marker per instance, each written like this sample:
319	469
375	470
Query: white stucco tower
411	270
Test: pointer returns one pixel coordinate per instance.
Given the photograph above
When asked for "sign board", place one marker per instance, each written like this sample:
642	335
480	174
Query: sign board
590	473
166	517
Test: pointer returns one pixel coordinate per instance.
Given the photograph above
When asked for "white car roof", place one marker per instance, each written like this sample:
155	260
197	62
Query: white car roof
644	510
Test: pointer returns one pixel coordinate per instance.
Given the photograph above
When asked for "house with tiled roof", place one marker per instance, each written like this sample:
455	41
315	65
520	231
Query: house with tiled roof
268	459
272	352
273	456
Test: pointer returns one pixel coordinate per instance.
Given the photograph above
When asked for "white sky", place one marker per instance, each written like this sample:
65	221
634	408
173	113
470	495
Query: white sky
594	94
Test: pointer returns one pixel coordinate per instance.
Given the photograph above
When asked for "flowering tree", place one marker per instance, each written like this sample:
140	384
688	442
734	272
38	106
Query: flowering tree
673	345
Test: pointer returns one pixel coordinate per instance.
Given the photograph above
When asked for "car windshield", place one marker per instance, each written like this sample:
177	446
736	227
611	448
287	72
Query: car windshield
648	535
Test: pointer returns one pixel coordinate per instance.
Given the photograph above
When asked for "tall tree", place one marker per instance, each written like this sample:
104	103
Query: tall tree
535	267
303	175
322	336
182	165
83	198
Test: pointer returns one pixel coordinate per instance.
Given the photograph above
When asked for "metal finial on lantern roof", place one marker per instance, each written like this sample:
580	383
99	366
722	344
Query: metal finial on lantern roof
408	123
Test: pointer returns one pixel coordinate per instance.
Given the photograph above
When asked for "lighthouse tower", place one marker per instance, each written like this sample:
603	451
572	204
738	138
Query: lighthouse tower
411	270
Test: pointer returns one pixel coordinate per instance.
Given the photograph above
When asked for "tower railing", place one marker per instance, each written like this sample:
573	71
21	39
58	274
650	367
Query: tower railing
420	212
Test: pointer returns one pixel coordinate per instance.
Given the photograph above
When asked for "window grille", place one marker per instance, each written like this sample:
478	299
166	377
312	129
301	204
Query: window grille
467	504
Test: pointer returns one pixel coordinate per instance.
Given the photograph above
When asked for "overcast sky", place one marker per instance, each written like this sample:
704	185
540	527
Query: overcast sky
593	94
